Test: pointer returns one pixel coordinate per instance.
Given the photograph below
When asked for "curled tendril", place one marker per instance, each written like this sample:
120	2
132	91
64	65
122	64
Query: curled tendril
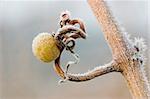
65	37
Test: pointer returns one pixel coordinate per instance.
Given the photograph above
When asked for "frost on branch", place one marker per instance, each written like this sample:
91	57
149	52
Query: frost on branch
136	46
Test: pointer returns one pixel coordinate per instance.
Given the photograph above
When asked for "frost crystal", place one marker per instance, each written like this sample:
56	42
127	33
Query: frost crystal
136	47
139	50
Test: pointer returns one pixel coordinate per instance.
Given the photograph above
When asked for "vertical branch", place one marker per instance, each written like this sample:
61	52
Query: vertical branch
136	81
109	27
130	68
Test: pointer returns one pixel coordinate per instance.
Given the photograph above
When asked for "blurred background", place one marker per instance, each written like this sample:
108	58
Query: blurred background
22	76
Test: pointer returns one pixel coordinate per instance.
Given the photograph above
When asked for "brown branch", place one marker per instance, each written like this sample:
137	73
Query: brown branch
98	71
110	29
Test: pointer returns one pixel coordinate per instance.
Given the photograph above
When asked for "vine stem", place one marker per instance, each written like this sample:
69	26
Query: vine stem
122	58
